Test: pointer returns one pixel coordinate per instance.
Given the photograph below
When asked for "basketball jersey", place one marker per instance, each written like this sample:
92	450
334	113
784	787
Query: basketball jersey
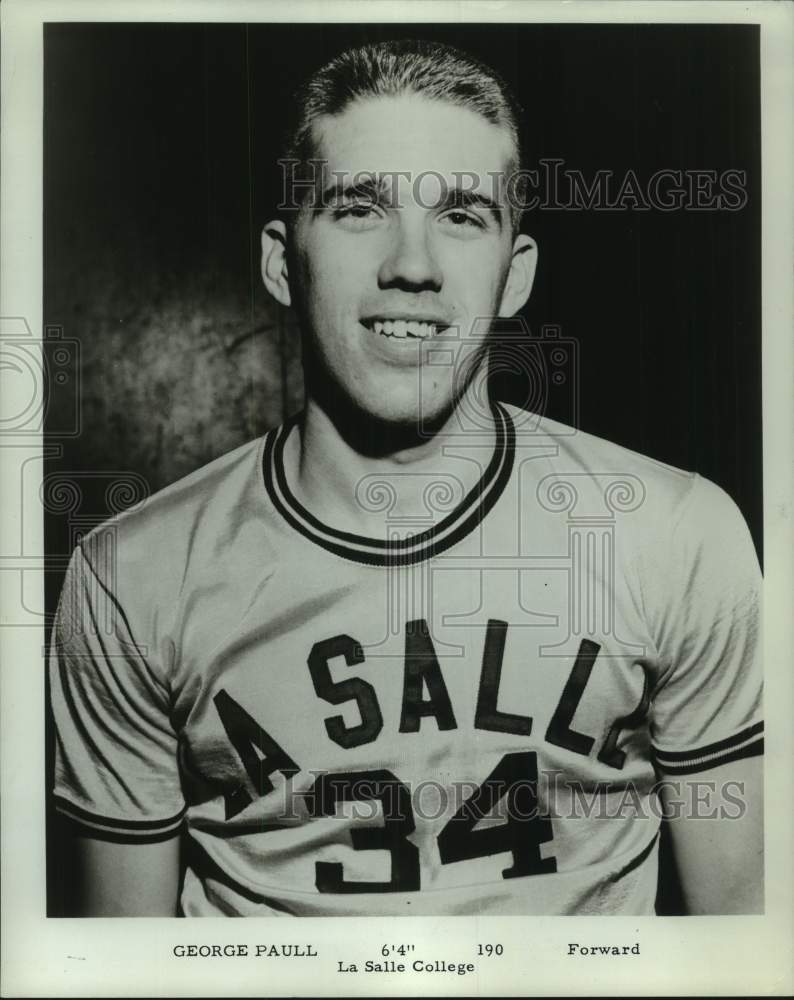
466	715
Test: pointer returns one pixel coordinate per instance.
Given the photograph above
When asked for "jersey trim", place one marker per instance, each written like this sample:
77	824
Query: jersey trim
403	551
749	742
636	861
120	830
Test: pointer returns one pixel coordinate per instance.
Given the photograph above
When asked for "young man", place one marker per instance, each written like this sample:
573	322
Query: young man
416	651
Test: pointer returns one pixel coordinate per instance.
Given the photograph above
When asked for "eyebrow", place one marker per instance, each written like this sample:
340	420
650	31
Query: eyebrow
366	187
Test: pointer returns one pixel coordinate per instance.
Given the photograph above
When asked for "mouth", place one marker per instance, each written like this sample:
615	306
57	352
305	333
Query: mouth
395	328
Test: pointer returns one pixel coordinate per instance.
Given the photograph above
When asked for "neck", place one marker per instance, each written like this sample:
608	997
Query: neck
336	459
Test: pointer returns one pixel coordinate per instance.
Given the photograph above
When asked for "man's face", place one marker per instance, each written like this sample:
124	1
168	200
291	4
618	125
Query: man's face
393	272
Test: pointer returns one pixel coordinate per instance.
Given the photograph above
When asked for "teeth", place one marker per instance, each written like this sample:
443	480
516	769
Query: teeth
402	329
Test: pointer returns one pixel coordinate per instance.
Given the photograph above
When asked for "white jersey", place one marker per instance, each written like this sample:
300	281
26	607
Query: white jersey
468	715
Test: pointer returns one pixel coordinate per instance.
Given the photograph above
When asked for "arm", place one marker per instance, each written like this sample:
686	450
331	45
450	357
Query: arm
707	721
124	880
720	860
117	787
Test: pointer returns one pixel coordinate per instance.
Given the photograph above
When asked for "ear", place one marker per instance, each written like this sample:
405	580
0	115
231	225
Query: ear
274	261
520	276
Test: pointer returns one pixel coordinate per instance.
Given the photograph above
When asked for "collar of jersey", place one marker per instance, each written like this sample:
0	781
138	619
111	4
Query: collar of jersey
398	552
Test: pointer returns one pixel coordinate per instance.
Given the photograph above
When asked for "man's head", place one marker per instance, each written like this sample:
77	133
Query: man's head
405	247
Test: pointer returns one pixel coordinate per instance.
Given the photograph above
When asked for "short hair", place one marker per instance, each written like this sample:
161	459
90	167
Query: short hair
387	69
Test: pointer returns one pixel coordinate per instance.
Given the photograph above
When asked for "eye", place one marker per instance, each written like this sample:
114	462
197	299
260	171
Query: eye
461	218
359	211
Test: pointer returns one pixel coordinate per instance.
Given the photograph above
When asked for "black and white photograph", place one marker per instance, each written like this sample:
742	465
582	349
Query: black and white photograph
399	456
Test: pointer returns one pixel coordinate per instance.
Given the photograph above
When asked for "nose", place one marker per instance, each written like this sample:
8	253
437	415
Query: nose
410	263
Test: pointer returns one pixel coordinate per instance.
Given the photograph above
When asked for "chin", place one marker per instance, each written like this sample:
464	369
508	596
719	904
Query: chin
399	403
409	409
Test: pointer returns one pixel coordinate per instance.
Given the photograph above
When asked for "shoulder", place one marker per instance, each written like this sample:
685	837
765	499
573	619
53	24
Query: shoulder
146	553
174	511
661	509
593	470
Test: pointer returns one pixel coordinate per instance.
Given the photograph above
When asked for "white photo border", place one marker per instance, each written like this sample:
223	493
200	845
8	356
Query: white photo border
698	956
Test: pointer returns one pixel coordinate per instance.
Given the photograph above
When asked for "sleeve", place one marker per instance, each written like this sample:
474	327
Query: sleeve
116	752
706	708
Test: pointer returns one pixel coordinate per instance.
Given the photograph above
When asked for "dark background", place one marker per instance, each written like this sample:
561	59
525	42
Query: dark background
159	150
